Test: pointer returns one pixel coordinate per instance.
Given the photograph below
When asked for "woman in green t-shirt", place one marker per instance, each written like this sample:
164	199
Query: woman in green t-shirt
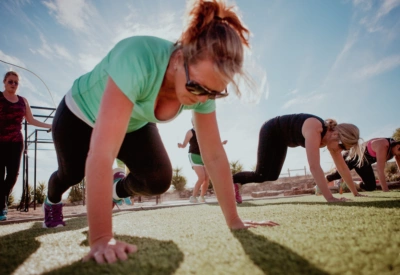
112	111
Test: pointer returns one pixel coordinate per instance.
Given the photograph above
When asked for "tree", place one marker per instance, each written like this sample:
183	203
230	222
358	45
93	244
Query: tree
11	199
236	167
178	181
396	134
40	192
391	172
77	192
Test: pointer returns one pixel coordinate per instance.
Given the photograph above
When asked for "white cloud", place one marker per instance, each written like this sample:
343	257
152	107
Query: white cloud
73	14
384	65
301	100
63	53
348	45
363	4
12	60
53	51
88	61
386	7
45	50
371	20
168	26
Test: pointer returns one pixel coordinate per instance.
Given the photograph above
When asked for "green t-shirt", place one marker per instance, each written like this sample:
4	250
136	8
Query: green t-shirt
137	65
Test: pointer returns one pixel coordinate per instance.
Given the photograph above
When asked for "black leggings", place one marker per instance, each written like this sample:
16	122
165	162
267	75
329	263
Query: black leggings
365	171
142	151
10	159
271	155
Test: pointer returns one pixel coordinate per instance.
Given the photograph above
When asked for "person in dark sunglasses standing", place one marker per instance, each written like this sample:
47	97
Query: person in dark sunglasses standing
308	131
13	109
376	150
112	111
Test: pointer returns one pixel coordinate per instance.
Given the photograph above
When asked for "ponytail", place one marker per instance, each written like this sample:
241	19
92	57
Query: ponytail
349	134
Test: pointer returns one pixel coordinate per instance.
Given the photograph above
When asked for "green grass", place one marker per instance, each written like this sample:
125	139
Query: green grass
359	237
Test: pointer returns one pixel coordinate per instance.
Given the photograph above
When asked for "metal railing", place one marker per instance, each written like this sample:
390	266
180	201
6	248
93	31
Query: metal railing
29	140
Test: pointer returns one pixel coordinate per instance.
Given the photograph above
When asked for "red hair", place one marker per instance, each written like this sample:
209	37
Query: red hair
215	32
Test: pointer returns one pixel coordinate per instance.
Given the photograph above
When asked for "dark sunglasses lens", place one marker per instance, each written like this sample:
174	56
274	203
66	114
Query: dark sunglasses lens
195	89
220	95
11	82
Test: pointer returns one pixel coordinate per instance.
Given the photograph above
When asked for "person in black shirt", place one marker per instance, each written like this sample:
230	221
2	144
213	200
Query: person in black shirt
308	131
197	165
379	151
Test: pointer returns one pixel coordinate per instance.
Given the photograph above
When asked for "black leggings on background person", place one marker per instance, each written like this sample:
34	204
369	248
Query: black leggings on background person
365	171
272	150
10	159
142	151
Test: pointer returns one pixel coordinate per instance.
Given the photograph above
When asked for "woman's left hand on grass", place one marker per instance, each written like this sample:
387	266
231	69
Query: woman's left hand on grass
249	224
360	195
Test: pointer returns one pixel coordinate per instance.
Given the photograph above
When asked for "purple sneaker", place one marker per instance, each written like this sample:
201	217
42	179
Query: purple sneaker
238	196
53	216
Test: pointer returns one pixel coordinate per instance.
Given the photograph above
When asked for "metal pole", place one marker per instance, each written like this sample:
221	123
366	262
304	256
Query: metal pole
34	174
27	195
23	169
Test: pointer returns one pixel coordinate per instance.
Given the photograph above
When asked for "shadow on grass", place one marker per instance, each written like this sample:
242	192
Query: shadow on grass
15	248
153	257
273	258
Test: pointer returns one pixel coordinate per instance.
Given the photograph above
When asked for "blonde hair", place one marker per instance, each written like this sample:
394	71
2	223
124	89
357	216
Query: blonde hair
8	74
349	135
215	31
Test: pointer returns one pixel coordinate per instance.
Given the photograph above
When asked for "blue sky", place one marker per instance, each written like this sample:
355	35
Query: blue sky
334	59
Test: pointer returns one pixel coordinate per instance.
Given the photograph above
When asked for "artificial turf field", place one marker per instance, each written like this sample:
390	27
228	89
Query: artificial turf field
314	237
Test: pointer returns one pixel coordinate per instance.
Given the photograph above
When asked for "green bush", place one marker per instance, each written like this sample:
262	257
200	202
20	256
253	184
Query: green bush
391	172
178	181
236	167
77	192
11	200
396	134
40	192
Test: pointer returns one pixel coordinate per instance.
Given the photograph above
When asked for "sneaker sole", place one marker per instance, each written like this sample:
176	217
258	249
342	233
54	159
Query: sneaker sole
45	226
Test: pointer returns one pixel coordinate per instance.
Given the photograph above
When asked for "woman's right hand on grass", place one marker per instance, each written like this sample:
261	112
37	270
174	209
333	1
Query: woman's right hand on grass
333	199
108	250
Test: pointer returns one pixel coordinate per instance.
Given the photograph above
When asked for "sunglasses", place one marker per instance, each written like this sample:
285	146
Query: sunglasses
11	82
199	90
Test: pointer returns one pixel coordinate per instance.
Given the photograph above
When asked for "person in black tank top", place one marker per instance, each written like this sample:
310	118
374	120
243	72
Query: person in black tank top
197	163
13	109
308	131
383	149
